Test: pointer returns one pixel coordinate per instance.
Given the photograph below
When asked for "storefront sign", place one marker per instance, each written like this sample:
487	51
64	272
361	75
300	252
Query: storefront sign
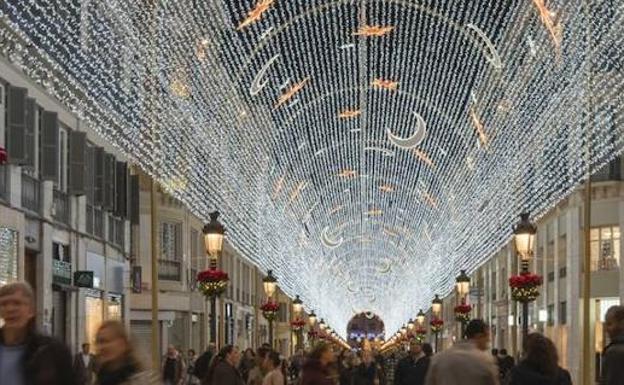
83	279
61	272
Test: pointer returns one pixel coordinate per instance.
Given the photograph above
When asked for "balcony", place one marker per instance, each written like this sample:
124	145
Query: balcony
31	194
5	193
604	264
61	211
169	270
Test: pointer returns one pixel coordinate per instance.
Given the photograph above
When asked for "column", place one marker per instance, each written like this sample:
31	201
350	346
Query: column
621	221
544	240
556	301
573	288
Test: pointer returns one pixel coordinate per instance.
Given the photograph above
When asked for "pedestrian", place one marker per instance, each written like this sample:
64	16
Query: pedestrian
366	373
172	367
296	364
412	370
505	364
428	350
203	362
540	364
345	368
257	373
316	369
27	357
84	365
467	362
223	368
117	363
247	362
273	368
191	379
391	364
613	356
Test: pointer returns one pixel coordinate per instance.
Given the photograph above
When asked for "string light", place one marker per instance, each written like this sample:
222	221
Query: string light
235	105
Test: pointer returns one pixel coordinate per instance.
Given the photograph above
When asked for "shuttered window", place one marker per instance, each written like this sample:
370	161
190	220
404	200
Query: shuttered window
77	162
109	181
121	189
98	178
49	151
29	134
89	172
16	124
134	199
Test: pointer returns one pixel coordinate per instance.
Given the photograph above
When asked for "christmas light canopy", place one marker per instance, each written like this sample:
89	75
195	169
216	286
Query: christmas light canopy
365	151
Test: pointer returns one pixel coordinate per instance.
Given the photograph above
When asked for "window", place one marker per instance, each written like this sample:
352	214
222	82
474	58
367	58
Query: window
282	314
551	315
605	248
170	251
563	315
60	252
563	271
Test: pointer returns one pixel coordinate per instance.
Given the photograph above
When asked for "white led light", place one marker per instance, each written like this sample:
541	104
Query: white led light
236	105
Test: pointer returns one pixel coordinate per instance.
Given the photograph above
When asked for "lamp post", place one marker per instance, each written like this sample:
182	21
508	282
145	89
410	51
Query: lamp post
213	239
297	307
524	239
420	318
462	311
312	319
436	310
270	286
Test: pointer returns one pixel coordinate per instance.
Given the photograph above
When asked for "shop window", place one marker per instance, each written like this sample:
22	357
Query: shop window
114	308
93	318
605	248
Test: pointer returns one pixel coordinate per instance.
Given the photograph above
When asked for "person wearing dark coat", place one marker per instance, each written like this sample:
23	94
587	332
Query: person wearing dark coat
613	356
26	357
223	369
412	370
540	365
316	369
366	373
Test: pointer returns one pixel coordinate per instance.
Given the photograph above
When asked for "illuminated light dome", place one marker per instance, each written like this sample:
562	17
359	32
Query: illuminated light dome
468	113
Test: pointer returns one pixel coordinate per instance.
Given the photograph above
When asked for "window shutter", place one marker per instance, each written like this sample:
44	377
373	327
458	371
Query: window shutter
49	146
16	124
98	190
121	189
90	174
77	162
109	182
134	199
29	133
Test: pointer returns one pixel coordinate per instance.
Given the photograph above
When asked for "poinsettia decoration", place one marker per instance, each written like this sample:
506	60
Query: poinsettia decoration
212	282
436	325
297	324
419	334
312	334
4	157
269	309
525	286
462	311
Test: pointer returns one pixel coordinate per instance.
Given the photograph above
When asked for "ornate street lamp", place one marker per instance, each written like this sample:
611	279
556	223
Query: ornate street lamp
463	309
524	287
298	323
410	324
213	282
270	284
436	322
297	305
213	236
420	318
312	318
436	305
322	325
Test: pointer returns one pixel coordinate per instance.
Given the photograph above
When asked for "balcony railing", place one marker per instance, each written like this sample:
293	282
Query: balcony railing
61	211
169	270
31	194
5	183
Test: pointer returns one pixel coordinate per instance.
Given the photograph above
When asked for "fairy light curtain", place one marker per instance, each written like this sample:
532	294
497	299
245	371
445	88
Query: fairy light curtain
363	150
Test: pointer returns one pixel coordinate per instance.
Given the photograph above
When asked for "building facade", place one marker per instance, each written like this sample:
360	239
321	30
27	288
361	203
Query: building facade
558	259
64	208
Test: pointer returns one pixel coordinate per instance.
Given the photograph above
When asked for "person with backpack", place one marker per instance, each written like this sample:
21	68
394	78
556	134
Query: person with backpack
613	356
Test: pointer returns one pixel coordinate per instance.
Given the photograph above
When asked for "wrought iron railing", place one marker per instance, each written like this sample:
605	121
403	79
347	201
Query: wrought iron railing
169	270
31	194
61	212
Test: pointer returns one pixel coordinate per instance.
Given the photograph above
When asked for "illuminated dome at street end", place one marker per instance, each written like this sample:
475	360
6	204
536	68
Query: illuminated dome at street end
365	151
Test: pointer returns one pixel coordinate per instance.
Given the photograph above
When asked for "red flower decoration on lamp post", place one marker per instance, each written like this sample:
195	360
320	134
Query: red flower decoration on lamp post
269	309
4	157
525	287
436	325
462	311
297	324
212	282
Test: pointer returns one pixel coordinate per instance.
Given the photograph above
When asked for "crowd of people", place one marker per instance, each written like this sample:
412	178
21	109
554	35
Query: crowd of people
30	358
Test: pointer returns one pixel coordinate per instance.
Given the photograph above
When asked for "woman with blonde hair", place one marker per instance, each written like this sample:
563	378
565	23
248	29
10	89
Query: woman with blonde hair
116	361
